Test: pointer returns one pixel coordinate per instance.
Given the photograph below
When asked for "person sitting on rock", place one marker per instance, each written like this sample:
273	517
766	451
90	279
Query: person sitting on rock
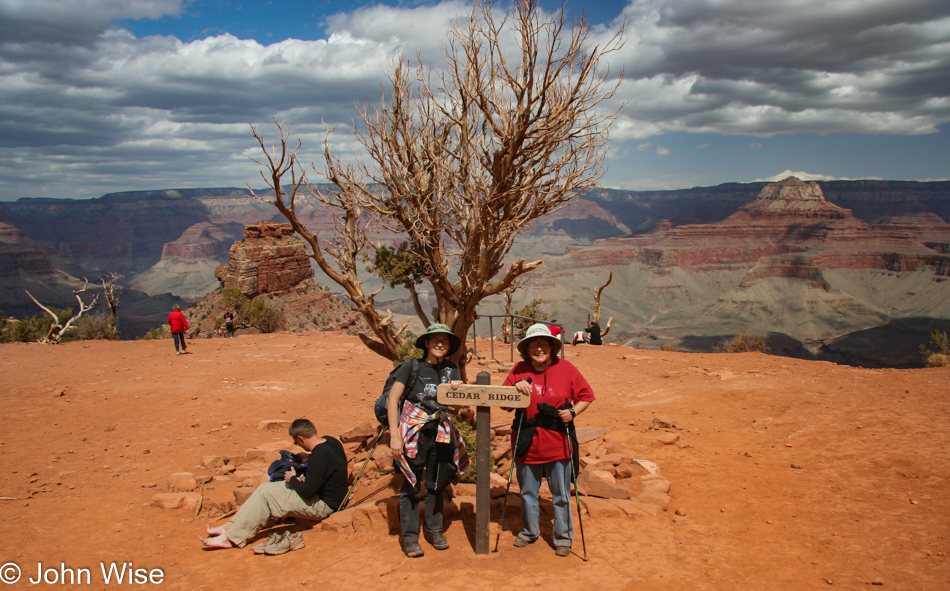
593	330
314	496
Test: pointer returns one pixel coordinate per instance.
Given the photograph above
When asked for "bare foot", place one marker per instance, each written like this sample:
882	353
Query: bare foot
221	541
214	531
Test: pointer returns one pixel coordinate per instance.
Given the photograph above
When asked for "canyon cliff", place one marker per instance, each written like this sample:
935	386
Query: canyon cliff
806	261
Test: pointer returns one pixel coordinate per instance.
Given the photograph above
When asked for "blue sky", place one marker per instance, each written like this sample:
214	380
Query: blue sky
99	96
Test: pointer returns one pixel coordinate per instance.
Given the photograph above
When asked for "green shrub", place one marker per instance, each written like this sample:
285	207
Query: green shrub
748	343
667	347
938	357
33	328
468	438
407	349
533	311
938	360
157	333
93	327
250	313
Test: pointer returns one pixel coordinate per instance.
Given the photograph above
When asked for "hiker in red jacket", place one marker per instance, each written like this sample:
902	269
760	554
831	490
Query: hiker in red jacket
178	324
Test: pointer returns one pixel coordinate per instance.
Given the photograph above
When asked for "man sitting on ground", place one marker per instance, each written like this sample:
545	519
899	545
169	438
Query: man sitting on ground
314	496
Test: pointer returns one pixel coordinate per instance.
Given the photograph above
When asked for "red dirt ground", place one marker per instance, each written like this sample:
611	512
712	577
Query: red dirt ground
869	502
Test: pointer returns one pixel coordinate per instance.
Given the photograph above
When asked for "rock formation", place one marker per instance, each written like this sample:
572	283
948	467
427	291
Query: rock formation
270	260
270	263
788	262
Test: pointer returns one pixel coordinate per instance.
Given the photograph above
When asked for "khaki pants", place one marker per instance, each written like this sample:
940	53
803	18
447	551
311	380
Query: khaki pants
272	499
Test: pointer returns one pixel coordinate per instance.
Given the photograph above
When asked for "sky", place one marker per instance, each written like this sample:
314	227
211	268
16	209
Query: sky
99	96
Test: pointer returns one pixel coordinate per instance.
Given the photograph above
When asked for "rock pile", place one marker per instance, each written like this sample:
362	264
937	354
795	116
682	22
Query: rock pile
612	481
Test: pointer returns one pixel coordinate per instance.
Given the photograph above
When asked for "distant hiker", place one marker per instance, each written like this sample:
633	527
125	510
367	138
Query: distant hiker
546	446
425	444
579	337
229	322
178	325
311	496
556	331
593	330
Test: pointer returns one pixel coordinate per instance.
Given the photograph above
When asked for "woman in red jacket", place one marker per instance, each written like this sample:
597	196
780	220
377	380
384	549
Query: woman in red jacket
546	446
178	325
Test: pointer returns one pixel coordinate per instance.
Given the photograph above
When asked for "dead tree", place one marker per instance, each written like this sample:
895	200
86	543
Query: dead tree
460	161
597	292
57	330
112	291
506	326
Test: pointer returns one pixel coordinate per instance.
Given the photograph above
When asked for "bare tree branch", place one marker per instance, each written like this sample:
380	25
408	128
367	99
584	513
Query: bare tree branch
459	161
56	330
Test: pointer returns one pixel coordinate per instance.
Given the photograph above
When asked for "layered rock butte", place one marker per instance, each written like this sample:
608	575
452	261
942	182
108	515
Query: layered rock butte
272	263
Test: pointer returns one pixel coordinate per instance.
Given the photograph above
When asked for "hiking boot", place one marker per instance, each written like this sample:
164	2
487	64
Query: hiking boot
521	542
412	549
563	551
437	540
273	539
289	542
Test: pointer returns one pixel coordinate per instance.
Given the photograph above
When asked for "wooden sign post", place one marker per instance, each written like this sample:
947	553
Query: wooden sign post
482	395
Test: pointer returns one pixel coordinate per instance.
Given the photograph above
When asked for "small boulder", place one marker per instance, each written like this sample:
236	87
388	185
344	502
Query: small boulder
588	433
652	497
498	485
340	522
243	493
186	501
667	439
655	482
637	509
182	482
256	455
600	483
360	433
601	507
212	462
502	451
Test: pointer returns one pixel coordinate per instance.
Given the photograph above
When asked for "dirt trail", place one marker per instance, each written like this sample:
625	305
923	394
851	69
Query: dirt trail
89	427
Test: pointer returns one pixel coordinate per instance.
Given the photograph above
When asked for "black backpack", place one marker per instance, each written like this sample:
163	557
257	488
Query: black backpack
382	403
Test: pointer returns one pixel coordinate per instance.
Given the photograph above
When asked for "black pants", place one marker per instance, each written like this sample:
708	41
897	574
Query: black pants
179	336
424	467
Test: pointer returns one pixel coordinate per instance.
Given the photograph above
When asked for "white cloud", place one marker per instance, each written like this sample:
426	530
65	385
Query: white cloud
806	176
80	98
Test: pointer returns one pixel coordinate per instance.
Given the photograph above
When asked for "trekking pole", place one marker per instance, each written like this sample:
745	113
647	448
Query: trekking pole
511	469
580	518
349	493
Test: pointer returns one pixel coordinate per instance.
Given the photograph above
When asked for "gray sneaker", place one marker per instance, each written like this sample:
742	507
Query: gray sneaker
291	541
412	549
273	539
